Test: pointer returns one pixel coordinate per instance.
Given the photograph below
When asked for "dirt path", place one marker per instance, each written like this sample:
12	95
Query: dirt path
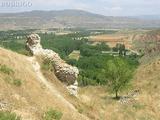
48	85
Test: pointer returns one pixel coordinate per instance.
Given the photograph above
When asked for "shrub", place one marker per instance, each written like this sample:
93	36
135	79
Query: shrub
17	82
13	81
80	110
6	70
52	114
8	116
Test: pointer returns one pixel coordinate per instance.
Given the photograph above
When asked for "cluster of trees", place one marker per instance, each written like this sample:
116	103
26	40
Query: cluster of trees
64	44
14	40
120	48
88	50
14	34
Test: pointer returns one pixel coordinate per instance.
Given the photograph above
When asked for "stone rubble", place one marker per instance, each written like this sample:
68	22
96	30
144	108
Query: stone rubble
131	98
64	72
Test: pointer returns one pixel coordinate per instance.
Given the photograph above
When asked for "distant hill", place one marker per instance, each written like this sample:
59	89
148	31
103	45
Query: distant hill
148	17
70	18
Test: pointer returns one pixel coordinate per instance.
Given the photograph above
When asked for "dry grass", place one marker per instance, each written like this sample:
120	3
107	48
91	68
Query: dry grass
108	38
32	98
148	80
112	40
146	106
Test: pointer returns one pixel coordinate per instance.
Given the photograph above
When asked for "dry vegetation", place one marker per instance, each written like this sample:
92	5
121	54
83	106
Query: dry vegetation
145	106
112	40
32	99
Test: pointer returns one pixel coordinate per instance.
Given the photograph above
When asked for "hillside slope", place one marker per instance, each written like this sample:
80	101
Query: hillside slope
35	94
147	78
149	44
142	106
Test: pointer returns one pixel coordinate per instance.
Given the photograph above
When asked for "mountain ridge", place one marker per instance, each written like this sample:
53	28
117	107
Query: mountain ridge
70	19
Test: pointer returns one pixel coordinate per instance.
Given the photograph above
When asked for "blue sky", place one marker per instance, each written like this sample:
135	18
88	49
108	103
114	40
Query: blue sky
105	7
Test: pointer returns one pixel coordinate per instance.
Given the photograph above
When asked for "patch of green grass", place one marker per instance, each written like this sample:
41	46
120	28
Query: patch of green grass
8	116
47	65
5	69
138	106
80	110
52	114
13	81
17	82
74	55
24	52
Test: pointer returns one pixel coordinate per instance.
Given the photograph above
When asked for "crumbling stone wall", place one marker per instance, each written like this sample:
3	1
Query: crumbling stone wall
64	72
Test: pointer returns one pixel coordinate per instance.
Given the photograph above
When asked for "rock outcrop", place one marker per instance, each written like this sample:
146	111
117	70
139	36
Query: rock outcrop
64	72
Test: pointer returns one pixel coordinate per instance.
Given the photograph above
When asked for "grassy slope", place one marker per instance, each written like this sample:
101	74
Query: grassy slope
148	80
146	106
32	98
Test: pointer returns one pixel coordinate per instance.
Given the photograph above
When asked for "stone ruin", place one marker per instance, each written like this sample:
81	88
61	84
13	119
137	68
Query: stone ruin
64	72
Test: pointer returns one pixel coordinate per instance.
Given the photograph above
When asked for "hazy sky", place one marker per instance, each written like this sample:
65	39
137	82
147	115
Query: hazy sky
105	7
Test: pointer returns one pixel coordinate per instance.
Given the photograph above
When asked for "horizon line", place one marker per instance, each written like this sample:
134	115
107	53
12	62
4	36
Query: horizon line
76	10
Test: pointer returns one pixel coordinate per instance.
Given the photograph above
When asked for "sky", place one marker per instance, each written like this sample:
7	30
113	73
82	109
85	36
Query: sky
104	7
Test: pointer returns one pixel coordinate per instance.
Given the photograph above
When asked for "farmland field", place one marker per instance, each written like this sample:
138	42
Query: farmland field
113	39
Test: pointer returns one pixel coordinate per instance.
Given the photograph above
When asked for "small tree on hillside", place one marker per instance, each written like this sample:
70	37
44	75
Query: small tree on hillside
119	75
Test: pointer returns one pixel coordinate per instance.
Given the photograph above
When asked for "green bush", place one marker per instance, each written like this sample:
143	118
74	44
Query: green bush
17	82
52	114
8	116
5	69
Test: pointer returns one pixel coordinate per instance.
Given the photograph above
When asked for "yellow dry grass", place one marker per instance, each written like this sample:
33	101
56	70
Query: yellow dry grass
112	40
32	98
108	38
146	106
